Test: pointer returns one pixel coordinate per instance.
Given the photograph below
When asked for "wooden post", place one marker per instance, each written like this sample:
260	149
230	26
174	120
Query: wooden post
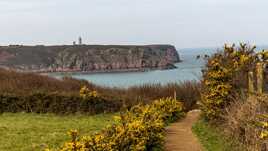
250	82
264	147
259	75
175	95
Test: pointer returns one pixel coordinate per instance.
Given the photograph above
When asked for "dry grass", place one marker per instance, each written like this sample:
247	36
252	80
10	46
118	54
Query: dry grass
188	92
16	82
241	120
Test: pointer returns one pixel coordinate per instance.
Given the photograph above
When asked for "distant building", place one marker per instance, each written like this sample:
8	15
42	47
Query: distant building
80	41
74	43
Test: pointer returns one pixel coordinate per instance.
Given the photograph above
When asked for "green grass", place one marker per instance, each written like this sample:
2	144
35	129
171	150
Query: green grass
213	139
32	132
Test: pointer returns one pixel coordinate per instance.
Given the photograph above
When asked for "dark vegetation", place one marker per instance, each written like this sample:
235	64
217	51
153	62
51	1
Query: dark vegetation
29	92
56	103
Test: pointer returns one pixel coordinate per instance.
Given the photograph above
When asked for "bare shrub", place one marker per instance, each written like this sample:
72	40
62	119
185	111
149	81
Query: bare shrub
242	121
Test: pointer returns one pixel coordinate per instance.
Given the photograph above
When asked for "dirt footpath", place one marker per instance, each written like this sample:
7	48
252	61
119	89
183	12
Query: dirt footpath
180	137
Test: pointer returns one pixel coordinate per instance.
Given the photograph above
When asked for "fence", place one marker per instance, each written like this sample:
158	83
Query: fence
260	84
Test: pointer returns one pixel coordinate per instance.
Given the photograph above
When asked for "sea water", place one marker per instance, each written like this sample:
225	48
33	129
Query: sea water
189	69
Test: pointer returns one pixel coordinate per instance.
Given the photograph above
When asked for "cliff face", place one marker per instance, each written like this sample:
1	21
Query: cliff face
87	58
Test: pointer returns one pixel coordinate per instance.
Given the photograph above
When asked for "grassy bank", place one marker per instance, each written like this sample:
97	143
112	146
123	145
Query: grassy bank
26	132
213	139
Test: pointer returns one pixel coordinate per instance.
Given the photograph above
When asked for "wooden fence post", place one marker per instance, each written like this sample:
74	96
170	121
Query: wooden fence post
175	95
259	76
250	82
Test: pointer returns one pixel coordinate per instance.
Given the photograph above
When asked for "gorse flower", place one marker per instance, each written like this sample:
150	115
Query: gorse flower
140	128
262	123
85	92
93	94
264	135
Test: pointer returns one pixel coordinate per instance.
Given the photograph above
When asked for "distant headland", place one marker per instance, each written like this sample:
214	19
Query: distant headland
88	58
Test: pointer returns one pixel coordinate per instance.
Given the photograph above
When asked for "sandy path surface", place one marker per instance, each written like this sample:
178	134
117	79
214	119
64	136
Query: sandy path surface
179	135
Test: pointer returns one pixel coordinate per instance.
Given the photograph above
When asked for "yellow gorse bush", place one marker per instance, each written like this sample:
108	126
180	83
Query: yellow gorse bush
139	129
224	78
85	92
219	81
263	55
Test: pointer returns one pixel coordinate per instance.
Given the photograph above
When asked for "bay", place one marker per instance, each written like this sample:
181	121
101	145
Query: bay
189	69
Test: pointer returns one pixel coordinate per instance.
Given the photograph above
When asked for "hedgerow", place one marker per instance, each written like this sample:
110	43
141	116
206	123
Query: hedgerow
58	103
140	128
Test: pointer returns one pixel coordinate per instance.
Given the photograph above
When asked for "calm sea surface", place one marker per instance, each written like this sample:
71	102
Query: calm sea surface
188	69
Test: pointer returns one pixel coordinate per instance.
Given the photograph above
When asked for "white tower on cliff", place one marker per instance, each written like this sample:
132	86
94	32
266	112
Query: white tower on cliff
80	40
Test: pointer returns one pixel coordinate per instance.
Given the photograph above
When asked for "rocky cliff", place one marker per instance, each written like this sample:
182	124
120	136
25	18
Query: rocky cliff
87	58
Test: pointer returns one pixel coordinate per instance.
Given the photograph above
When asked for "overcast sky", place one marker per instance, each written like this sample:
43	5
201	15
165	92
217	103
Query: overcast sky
184	23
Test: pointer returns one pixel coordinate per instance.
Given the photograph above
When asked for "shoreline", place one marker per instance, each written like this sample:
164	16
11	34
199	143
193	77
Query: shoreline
106	71
70	71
